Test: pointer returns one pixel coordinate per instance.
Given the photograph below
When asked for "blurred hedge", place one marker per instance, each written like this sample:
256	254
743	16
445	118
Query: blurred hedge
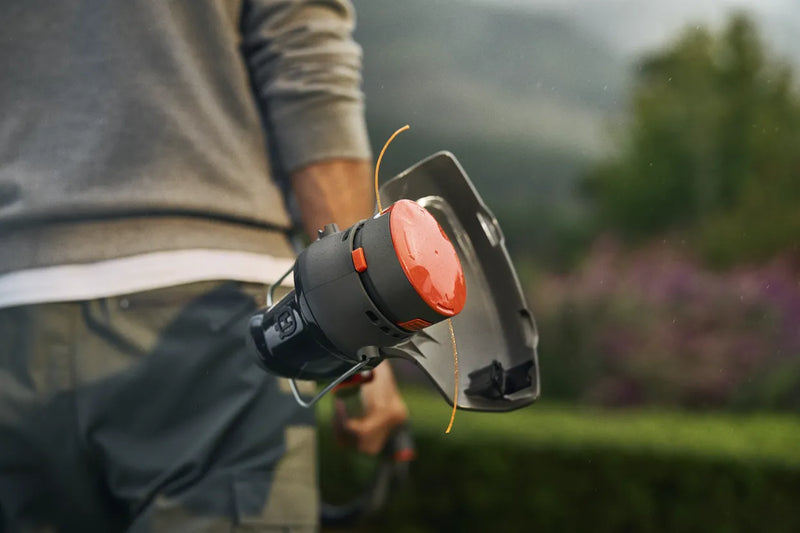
557	468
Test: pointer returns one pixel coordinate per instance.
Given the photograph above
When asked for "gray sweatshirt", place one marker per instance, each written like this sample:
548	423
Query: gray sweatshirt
132	126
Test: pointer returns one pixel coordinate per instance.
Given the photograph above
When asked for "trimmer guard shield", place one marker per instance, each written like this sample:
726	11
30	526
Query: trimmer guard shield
495	333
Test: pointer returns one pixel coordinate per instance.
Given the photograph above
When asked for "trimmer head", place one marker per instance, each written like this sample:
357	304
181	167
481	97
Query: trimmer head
495	332
384	287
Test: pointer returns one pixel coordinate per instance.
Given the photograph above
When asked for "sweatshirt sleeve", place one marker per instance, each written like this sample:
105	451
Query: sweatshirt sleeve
306	72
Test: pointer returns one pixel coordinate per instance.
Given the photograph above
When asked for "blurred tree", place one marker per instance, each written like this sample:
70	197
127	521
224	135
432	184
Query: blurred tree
711	150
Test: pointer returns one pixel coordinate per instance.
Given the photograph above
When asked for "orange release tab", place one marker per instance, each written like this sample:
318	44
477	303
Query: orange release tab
359	260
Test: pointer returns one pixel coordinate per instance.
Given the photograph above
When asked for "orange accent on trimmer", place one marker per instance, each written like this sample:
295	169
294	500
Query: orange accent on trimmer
428	258
359	260
415	324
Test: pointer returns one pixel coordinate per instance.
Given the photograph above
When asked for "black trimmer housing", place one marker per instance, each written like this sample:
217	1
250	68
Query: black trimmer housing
370	286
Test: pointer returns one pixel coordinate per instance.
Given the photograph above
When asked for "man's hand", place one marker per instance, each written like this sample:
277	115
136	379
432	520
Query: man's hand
384	410
340	191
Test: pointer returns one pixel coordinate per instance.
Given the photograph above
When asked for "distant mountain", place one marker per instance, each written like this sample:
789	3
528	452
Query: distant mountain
524	99
476	71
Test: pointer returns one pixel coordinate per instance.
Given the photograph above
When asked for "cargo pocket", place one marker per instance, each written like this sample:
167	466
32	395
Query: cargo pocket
286	498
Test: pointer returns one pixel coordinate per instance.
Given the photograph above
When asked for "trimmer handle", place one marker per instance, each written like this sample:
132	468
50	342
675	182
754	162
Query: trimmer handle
391	470
400	446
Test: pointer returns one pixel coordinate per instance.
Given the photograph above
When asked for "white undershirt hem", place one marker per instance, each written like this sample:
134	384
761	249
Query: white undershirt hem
126	275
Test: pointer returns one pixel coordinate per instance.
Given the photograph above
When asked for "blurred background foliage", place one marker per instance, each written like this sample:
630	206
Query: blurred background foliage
648	194
644	165
711	153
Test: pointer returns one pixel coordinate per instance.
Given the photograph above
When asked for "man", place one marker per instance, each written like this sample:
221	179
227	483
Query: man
139	228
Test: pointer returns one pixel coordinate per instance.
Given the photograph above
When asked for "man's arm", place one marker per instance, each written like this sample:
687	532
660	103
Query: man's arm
340	191
306	72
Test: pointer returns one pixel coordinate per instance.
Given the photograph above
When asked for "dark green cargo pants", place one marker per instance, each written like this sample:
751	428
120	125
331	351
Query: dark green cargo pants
147	413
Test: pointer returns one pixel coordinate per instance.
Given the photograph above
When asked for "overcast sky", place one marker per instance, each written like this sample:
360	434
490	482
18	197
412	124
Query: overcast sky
686	5
631	26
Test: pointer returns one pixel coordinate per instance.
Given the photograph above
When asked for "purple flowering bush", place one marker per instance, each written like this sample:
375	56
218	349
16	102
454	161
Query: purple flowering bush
653	327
